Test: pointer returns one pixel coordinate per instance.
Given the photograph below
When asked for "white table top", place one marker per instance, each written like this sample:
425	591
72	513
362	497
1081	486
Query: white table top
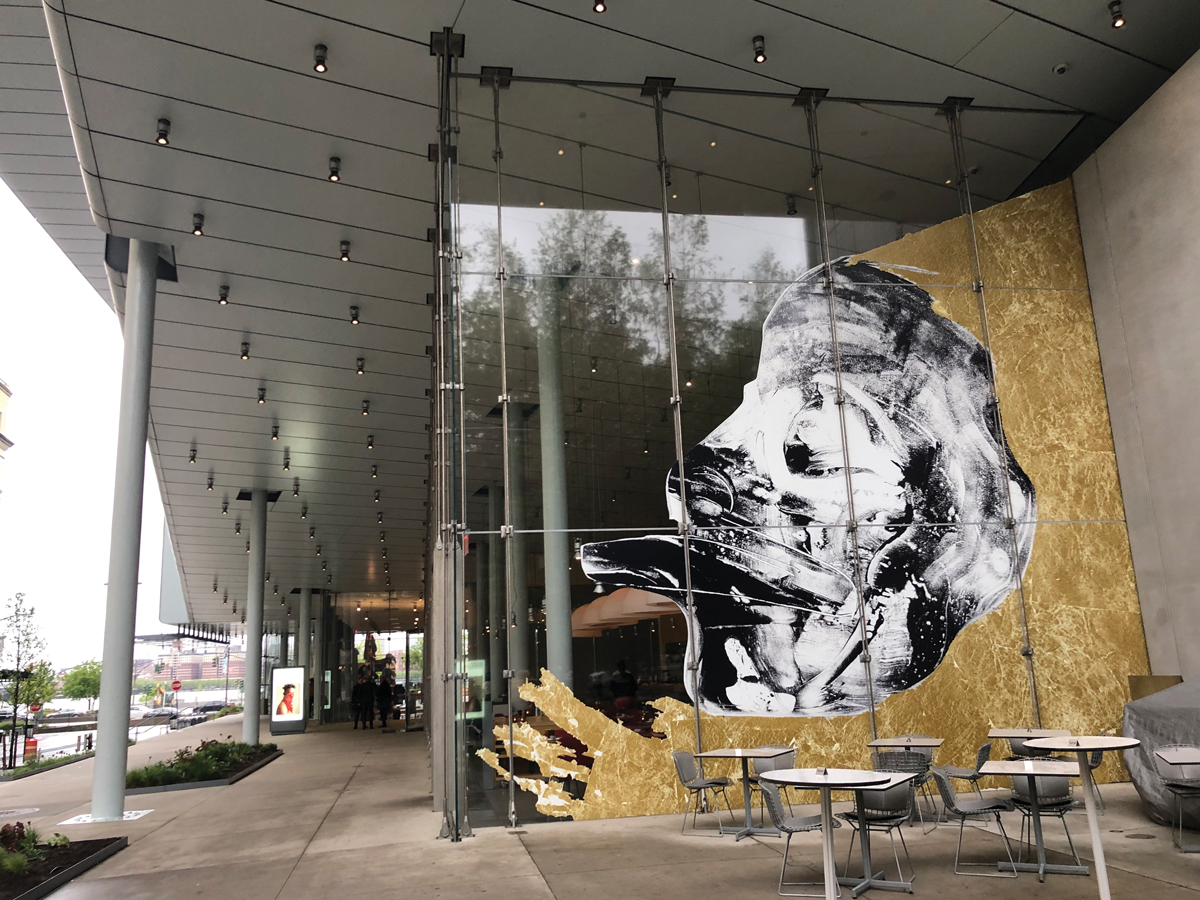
1028	732
1068	767
838	779
910	741
744	753
1186	756
1077	743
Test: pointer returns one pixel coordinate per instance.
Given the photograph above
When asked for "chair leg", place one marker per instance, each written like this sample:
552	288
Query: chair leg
687	803
850	849
899	872
1100	807
1070	842
907	857
958	852
783	871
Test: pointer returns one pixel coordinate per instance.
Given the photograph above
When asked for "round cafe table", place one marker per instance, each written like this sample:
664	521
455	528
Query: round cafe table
826	781
1081	747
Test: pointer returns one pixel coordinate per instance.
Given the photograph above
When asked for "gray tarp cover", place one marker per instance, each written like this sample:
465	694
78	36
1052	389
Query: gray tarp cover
1168	717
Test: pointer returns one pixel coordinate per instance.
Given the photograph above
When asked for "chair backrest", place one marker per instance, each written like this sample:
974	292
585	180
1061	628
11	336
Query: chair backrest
783	761
926	752
895	801
774	803
685	766
1168	772
902	761
1050	788
983	755
1095	758
946	789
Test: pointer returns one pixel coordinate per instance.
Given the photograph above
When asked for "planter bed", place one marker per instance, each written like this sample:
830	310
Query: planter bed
217	782
60	866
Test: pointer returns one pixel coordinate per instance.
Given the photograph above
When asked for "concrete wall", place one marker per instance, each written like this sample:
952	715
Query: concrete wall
1139	214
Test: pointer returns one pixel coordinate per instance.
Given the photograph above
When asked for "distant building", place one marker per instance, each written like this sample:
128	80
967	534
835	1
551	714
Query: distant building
5	443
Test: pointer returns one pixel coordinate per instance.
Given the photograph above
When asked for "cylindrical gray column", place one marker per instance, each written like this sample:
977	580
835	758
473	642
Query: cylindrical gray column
319	663
304	630
120	611
495	554
254	615
554	491
519	612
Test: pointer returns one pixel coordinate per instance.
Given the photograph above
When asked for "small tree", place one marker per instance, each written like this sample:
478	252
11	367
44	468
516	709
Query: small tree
41	686
21	646
83	682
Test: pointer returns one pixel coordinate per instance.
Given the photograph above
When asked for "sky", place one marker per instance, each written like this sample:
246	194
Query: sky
60	354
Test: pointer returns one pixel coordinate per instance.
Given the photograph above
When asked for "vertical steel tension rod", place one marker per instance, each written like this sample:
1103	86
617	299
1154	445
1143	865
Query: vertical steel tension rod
811	97
685	527
952	110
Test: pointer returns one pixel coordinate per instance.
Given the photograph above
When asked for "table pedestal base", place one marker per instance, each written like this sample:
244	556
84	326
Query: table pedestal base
877	881
1042	869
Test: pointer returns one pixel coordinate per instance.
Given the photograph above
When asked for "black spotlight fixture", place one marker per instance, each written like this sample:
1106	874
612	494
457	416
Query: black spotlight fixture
192	456
287	463
225	508
214	586
595	364
366	407
345	251
335	169
164	131
237	527
370	442
374	471
245	349
295	487
599	6
377	496
318	549
381	535
361	362
304	512
791	205
198	224
320	59
274	432
210	483
354	315
381	518
223	295
1118	18
312	534
262	395
760	51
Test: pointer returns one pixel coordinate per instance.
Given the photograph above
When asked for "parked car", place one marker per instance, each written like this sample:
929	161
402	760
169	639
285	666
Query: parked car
209	706
138	712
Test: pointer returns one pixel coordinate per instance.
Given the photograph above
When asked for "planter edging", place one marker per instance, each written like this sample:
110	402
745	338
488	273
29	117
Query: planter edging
54	882
216	782
41	769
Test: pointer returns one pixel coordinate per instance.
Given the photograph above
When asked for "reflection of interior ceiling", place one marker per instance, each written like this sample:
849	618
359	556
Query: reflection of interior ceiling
252	130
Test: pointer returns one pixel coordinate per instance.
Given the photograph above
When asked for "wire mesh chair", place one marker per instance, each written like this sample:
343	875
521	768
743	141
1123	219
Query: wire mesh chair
973	809
912	762
789	825
972	775
758	766
1021	751
1095	758
884	810
1183	782
1054	799
696	784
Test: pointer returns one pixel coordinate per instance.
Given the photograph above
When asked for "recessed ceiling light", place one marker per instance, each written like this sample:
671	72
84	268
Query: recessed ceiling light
541	203
320	59
712	143
760	53
164	129
560	152
674	196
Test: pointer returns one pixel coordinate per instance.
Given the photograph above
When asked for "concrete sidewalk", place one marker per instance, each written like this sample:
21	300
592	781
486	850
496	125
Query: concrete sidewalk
347	811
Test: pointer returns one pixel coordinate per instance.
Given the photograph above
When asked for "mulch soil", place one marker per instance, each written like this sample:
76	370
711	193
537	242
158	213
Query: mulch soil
57	859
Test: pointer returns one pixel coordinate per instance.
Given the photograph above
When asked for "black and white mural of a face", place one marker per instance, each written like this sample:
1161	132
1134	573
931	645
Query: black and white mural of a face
778	629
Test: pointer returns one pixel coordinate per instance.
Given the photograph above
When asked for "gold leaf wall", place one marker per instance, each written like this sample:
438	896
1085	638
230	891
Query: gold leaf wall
1082	602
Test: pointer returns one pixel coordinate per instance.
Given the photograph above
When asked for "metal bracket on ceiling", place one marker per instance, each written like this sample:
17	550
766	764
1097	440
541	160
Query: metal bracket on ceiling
501	76
950	104
437	43
816	95
653	85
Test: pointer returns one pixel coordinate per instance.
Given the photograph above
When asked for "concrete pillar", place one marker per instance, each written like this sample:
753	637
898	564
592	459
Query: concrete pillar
554	491
496	617
108	776
320	656
304	631
254	614
519	610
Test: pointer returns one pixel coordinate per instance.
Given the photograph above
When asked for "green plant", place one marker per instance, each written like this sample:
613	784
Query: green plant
59	840
83	682
13	863
210	761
